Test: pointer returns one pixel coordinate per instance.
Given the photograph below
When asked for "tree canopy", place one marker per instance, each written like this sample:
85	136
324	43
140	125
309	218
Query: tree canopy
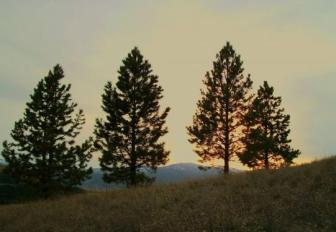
266	137
129	136
218	122
43	151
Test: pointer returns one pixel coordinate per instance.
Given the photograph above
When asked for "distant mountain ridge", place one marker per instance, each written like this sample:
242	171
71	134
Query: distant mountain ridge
167	174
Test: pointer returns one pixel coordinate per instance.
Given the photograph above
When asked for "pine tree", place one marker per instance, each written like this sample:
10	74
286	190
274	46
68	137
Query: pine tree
266	137
218	120
129	137
43	153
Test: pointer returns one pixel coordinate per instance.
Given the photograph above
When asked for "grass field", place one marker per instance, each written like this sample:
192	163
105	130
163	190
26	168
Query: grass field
299	198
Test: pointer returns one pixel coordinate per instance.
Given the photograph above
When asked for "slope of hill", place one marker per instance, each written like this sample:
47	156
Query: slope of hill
167	174
300	198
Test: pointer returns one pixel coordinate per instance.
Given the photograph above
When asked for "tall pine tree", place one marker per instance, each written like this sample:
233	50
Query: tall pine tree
42	152
129	137
266	137
218	121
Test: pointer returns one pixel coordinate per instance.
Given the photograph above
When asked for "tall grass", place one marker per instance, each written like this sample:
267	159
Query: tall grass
300	198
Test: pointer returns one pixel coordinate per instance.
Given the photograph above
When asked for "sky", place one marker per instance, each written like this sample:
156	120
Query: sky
289	43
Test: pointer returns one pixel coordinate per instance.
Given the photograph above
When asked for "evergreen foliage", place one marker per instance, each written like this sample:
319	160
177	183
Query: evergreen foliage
218	121
129	137
43	151
266	135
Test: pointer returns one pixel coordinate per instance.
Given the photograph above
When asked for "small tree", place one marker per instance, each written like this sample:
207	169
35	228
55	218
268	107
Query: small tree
43	153
218	120
266	137
129	136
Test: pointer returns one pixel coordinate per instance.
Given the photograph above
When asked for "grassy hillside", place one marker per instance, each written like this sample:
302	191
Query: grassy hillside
293	199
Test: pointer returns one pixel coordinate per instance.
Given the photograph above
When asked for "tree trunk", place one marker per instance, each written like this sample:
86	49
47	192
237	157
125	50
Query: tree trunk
132	176
133	162
226	164
227	140
266	162
44	179
133	138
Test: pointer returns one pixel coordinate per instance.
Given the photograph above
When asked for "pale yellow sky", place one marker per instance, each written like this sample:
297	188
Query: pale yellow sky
289	43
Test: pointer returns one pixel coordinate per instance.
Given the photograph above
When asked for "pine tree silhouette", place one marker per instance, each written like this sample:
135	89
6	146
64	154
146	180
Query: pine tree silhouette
43	153
266	137
218	120
129	137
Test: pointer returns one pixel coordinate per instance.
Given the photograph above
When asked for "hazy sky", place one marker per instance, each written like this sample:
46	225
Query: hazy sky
291	44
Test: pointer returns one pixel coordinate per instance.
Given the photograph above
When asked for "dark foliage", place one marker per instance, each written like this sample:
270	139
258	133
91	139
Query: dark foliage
129	137
218	120
43	153
266	136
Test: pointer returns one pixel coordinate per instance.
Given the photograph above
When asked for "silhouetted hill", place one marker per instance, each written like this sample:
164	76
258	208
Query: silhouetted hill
167	174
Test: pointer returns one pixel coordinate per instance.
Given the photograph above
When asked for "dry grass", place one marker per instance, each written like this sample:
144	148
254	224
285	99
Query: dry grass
293	199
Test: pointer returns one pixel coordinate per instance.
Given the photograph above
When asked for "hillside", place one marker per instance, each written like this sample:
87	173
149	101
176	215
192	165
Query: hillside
292	199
